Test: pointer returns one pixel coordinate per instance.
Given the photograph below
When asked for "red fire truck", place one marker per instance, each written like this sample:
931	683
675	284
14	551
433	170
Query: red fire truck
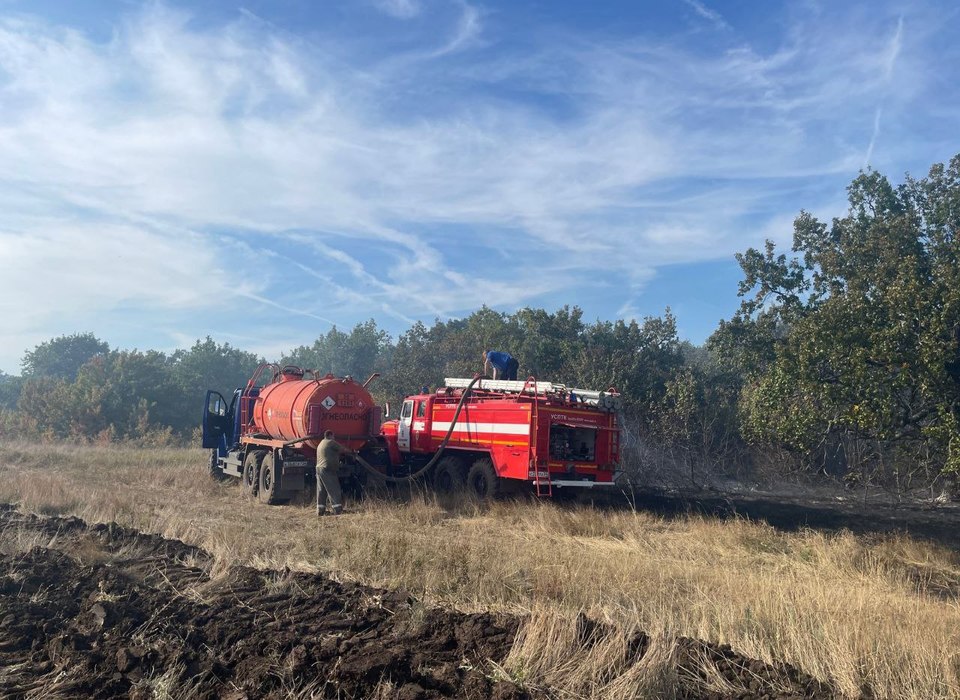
508	434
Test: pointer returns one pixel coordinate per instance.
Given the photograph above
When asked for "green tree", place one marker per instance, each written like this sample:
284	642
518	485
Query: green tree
858	336
698	410
547	342
210	365
136	392
55	409
9	391
636	358
63	356
364	350
425	356
415	363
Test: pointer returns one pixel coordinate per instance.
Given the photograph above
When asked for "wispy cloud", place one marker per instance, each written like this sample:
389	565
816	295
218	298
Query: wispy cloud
873	136
888	63
240	164
712	16
893	50
467	31
56	269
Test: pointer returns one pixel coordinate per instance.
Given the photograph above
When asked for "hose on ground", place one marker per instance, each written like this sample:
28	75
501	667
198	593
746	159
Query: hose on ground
424	469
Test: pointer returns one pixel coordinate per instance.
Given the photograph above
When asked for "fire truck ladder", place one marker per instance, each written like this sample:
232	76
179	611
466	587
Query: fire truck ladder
542	485
530	386
608	401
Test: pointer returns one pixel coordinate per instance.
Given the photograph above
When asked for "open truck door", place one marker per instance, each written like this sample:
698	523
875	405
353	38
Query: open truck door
216	420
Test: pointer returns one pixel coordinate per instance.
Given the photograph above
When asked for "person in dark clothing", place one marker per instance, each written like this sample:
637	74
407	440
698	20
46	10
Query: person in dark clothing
504	364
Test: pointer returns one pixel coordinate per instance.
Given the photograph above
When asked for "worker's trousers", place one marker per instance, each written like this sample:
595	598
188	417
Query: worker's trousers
328	489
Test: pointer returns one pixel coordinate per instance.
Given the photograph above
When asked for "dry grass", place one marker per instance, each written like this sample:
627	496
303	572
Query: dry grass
881	611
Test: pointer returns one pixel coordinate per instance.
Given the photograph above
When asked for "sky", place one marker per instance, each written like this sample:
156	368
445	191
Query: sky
262	171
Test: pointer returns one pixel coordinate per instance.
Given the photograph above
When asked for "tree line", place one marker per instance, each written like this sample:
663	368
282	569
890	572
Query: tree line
844	356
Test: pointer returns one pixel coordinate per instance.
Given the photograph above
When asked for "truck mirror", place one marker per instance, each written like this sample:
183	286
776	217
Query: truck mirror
386	410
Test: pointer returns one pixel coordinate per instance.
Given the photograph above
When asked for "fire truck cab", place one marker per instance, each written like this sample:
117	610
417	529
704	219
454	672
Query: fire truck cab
509	433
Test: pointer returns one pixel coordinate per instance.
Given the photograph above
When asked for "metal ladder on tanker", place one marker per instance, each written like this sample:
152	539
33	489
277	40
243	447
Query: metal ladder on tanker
543	487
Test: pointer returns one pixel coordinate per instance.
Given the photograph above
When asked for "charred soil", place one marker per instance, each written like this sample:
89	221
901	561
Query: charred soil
935	522
102	611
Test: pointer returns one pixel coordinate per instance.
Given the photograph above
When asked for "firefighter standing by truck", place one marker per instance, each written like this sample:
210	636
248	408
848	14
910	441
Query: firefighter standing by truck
328	479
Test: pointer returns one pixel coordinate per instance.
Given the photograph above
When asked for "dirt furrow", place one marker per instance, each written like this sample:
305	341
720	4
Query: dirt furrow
106	612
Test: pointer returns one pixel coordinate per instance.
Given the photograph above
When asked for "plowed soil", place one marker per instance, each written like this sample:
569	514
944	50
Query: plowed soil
102	611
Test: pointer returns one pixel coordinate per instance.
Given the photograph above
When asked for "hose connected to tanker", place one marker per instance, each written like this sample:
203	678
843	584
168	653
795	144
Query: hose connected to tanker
424	469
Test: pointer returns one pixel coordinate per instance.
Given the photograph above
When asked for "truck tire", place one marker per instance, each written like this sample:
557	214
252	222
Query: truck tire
482	479
251	472
450	475
216	471
268	484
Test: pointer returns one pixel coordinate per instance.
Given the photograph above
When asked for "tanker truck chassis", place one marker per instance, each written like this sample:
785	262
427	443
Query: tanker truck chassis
267	435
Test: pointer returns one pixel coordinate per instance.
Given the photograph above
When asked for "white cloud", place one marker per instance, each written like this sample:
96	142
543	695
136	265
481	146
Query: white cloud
544	163
55	270
467	31
893	50
873	136
889	60
712	16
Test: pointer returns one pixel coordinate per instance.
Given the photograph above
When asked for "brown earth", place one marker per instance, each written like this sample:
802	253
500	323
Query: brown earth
103	611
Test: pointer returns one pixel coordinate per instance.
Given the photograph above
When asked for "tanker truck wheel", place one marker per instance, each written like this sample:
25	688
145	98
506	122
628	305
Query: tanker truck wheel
450	475
482	479
268	484
251	472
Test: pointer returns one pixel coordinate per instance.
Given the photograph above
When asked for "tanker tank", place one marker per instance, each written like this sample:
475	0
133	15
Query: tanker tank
294	408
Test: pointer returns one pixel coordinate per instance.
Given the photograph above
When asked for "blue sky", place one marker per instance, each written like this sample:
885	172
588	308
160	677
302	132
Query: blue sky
260	171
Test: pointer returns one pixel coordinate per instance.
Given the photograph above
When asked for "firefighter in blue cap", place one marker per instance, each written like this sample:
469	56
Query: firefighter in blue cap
504	364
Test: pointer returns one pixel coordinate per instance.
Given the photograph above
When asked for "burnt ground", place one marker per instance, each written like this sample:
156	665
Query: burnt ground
102	611
935	522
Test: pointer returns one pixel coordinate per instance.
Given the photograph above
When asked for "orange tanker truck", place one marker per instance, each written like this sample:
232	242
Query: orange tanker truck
480	435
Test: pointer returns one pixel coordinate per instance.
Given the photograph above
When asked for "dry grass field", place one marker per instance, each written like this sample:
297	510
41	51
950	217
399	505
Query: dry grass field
870	614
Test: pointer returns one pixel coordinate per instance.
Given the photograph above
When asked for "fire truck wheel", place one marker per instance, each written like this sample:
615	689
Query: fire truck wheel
251	472
216	471
482	479
268	485
449	476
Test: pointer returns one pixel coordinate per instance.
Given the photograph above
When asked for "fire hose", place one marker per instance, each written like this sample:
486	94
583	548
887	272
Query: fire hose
424	469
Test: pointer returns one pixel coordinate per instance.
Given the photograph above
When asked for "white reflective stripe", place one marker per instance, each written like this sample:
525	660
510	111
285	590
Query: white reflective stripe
581	484
466	427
